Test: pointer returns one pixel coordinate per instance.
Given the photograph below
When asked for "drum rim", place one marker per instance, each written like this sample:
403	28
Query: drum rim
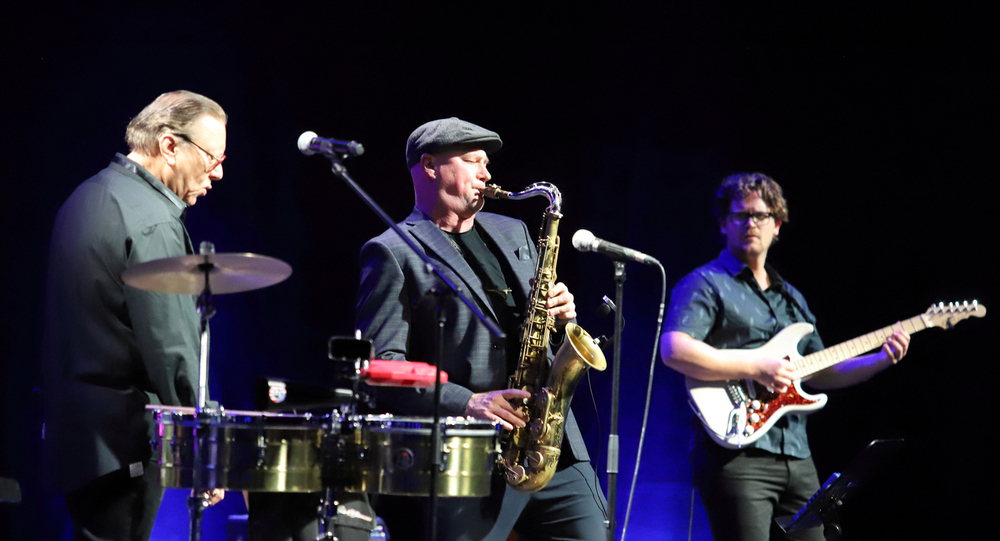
390	418
448	432
160	410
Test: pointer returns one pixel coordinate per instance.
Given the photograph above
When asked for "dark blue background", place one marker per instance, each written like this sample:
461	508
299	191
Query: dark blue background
879	122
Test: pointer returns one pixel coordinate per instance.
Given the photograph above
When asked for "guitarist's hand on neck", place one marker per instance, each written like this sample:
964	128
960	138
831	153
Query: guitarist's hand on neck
863	367
896	346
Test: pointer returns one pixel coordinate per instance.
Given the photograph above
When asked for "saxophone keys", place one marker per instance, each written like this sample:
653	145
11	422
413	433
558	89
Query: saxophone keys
539	429
536	460
516	475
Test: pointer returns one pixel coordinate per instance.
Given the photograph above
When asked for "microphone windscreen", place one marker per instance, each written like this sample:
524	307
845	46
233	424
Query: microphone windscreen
305	140
583	240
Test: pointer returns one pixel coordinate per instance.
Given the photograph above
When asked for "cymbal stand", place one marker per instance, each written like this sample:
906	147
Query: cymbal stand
199	499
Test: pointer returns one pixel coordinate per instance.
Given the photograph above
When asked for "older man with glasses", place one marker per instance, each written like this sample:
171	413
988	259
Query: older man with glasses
739	301
111	349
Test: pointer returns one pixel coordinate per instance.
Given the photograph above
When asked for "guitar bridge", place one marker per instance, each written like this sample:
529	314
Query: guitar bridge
737	423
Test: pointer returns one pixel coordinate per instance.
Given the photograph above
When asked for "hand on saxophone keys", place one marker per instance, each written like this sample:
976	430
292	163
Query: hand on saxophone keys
494	406
561	304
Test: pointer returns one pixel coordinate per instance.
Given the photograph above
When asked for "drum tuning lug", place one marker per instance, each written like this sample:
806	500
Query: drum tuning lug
445	451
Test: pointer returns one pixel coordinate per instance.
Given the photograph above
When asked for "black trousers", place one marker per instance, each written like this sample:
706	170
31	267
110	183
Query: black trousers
743	490
570	507
116	506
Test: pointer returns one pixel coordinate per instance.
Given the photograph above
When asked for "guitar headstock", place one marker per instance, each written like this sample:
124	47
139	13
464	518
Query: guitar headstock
946	317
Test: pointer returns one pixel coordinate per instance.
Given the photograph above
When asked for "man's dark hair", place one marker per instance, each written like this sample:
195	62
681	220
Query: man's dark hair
742	185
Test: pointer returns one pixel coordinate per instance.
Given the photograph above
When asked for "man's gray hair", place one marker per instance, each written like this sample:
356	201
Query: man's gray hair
171	112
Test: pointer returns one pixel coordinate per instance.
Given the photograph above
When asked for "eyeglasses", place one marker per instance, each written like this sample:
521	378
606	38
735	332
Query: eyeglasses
754	217
214	160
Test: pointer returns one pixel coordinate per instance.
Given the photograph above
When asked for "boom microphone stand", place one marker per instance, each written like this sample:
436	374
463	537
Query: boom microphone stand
439	293
615	382
585	241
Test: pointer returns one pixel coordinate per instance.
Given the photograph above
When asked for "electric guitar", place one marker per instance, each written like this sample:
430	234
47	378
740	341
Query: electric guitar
738	412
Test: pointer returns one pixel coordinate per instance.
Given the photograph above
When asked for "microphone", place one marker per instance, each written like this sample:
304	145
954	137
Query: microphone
585	241
310	143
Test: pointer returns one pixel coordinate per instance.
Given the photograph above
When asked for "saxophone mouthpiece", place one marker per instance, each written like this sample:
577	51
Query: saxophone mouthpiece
493	191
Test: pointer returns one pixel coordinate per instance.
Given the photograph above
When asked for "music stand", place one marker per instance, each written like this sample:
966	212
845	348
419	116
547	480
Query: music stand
823	508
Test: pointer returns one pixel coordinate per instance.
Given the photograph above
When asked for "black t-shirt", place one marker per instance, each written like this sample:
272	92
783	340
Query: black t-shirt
480	252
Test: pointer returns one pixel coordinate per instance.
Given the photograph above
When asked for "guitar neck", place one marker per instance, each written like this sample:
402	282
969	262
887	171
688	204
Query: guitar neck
820	360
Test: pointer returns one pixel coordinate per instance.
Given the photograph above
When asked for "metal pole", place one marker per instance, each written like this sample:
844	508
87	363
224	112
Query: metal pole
616	379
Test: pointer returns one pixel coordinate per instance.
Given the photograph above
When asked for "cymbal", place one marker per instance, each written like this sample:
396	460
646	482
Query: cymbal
230	273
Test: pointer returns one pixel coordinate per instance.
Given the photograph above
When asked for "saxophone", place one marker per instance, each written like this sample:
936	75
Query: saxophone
528	456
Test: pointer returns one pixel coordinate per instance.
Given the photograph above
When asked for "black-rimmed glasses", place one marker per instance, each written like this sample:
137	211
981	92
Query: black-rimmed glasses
754	217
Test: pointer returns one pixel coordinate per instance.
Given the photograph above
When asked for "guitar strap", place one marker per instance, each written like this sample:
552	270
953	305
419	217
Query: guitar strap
788	295
795	303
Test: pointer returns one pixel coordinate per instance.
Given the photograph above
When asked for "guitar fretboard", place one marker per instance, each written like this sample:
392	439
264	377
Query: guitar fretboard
820	360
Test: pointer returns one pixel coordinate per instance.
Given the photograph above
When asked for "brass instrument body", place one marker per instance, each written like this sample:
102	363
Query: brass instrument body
529	456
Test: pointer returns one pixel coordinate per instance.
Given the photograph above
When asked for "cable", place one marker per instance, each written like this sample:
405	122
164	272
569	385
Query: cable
691	512
597	417
607	306
649	395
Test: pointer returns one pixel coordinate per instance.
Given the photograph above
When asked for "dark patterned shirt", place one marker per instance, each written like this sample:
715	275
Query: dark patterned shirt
722	305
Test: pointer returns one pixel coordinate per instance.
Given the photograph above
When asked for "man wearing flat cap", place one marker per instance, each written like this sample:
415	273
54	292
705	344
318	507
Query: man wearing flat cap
491	258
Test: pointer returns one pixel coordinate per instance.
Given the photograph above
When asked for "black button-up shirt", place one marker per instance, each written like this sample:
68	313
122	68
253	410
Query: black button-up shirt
722	305
109	348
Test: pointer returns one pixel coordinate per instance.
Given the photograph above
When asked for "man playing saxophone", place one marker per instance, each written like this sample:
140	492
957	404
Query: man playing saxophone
491	258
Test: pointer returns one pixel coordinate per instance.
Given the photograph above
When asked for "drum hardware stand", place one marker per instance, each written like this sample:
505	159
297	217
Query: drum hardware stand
351	356
200	499
182	275
327	510
450	288
327	516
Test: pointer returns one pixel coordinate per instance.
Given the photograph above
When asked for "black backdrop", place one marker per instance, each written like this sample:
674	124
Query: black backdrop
878	121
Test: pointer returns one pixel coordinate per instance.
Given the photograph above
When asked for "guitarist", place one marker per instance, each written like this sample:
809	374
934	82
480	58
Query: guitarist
737	302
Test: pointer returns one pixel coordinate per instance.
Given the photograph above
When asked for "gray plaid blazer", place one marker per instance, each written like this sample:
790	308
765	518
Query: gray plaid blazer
393	314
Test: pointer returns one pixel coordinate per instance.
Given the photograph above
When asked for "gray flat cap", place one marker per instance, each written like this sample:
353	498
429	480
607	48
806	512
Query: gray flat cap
438	135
